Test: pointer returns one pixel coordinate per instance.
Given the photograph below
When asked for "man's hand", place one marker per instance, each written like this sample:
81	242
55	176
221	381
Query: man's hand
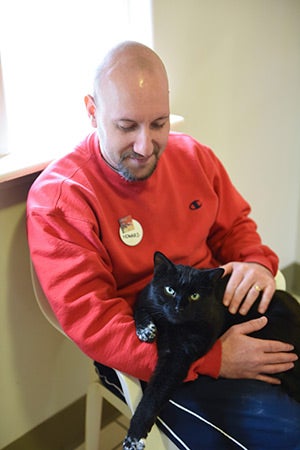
247	357
247	280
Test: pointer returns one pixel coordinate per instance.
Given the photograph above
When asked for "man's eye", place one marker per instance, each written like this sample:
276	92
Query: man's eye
127	129
158	125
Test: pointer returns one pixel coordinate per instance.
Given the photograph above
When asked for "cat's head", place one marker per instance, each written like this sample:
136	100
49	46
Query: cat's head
183	291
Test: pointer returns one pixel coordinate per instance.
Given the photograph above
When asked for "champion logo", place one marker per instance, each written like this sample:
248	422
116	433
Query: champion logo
195	204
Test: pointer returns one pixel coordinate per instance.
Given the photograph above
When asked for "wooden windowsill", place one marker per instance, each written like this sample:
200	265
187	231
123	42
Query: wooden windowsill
12	166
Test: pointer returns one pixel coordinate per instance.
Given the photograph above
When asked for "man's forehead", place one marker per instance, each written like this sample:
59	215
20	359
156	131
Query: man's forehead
137	119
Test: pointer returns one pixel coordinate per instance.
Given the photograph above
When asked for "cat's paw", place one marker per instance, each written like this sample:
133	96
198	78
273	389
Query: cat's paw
148	333
133	444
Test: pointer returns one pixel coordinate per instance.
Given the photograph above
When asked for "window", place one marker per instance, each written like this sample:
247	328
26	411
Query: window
3	120
49	50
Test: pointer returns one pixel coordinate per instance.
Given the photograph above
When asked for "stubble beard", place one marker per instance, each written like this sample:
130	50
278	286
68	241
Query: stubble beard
129	174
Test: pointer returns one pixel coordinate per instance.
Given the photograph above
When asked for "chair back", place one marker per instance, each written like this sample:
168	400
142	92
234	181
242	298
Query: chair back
43	301
280	281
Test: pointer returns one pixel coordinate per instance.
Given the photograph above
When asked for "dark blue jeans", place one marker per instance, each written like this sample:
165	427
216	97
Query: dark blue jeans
209	414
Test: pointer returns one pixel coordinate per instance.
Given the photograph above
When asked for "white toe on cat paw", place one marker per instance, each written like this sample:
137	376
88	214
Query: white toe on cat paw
148	333
133	444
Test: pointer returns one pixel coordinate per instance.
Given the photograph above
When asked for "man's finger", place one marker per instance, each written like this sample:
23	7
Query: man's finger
252	325
266	379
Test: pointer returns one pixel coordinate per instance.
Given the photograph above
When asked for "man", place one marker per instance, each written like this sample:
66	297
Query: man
95	219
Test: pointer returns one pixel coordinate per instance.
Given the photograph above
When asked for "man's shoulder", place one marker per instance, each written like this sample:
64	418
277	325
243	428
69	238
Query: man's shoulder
187	146
70	169
69	163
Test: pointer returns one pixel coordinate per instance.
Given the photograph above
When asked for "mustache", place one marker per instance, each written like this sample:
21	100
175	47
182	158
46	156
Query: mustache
132	154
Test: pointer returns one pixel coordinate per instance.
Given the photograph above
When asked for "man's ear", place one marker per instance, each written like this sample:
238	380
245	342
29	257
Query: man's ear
91	109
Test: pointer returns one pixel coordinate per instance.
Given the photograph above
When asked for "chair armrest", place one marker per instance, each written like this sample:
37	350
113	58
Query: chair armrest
132	389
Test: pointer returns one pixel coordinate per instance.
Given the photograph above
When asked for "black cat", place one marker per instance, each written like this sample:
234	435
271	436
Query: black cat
182	309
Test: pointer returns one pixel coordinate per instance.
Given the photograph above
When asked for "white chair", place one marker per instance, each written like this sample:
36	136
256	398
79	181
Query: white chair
96	391
280	281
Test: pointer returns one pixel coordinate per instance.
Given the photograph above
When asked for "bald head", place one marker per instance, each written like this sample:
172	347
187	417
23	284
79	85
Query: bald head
130	109
130	61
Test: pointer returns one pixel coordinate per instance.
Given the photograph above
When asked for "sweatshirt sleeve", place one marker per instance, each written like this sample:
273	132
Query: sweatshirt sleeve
209	364
75	273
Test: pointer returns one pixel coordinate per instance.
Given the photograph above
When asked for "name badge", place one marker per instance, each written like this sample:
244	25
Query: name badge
131	231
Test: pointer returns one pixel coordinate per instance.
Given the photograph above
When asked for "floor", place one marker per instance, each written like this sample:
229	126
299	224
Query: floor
112	435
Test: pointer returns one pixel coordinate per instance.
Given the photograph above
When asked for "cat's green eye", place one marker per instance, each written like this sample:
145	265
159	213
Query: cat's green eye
194	297
169	291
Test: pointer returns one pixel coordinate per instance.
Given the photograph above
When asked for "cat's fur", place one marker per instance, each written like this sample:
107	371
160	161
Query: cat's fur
182	309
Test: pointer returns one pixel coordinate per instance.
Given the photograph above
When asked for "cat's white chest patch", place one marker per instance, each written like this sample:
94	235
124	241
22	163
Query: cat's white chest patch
130	231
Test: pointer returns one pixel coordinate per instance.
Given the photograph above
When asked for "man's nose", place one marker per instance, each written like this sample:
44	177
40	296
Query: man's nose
143	144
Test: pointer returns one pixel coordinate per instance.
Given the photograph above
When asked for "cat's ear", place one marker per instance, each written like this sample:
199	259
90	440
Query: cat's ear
216	274
161	260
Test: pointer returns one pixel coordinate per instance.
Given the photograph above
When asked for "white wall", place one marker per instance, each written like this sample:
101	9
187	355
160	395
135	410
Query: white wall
234	70
298	240
41	372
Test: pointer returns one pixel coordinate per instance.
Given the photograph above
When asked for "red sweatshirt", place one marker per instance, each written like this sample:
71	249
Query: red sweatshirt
92	236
